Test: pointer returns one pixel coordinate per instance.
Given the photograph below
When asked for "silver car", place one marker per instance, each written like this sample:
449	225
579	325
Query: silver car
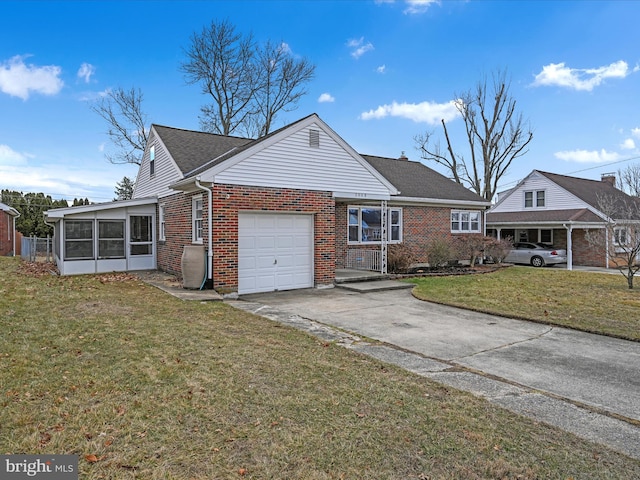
536	254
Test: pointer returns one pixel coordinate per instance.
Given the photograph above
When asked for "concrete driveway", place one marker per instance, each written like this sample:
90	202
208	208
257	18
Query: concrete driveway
587	384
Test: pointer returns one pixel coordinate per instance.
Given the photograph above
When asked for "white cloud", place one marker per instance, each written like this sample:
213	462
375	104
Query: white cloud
381	69
635	132
326	98
587	79
359	47
94	180
86	71
588	156
20	80
8	156
425	112
628	144
418	6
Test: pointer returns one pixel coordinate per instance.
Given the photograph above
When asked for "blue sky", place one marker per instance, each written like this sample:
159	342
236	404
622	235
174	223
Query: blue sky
386	71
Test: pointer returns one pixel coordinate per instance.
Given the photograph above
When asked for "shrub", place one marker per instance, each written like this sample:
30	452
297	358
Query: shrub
439	253
399	258
496	250
471	247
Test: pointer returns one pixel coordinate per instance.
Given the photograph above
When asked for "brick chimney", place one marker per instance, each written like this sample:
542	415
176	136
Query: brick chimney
610	178
403	157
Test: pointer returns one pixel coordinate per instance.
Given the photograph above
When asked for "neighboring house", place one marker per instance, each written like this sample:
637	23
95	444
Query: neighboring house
288	209
8	239
557	210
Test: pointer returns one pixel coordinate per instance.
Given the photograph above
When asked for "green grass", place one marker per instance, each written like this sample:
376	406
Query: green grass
592	302
142	385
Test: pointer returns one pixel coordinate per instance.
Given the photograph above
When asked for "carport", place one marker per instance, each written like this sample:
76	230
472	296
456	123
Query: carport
560	228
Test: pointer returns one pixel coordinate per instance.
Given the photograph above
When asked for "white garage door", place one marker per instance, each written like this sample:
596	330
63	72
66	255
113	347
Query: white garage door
275	252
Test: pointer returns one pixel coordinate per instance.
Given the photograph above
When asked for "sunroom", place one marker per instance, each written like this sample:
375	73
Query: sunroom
105	237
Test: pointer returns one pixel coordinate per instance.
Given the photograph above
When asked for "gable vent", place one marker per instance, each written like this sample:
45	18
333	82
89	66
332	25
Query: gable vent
314	138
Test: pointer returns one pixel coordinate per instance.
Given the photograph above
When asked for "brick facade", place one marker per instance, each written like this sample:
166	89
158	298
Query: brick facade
421	225
585	254
6	234
228	201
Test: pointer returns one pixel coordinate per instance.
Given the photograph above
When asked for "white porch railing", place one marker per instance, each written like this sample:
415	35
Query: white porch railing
363	259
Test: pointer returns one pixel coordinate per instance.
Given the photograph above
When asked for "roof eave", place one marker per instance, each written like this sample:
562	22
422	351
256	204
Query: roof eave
441	201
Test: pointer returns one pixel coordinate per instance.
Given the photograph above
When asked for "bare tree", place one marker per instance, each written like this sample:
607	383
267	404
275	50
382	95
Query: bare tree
222	62
122	109
496	136
620	237
629	179
248	84
281	82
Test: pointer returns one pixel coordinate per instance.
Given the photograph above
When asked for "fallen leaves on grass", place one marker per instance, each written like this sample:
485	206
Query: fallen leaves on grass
37	269
91	458
116	277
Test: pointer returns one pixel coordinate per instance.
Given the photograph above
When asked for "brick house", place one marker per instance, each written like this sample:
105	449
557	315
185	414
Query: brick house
557	210
280	212
9	243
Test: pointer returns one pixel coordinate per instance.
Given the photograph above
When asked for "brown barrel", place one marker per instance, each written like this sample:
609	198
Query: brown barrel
193	266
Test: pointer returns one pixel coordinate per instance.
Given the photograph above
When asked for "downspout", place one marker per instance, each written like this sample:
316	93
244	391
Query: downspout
569	246
209	231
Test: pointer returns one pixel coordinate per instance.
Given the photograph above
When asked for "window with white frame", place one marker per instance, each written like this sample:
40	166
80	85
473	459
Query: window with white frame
152	160
534	198
465	221
620	236
364	225
161	214
196	215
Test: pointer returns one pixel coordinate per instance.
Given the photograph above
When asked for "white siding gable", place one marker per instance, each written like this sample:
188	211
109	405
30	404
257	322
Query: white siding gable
166	171
556	197
311	157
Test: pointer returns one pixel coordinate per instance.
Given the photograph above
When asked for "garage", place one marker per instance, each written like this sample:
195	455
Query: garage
275	252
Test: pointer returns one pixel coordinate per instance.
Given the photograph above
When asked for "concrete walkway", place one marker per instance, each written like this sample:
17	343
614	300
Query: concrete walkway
586	384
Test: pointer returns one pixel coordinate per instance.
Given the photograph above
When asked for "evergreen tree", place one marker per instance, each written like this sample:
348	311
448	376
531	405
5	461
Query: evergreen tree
31	207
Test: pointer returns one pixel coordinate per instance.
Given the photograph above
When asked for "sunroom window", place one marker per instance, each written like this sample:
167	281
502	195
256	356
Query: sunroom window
78	239
140	235
365	225
111	239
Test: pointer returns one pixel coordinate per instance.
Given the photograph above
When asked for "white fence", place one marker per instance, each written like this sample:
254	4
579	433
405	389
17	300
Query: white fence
363	259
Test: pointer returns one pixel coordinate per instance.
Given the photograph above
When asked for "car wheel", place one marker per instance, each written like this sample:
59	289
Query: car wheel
537	261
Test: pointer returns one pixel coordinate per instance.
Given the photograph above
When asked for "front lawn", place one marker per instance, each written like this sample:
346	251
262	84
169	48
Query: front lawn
592	302
142	385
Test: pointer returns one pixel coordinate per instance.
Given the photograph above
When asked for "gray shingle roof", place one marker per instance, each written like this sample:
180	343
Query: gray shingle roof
544	216
592	191
414	179
191	150
195	152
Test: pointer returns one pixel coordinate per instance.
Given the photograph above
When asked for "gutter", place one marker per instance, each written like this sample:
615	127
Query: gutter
209	230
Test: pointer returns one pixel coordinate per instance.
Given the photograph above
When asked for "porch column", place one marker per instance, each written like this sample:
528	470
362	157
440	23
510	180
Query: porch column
569	247
383	237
